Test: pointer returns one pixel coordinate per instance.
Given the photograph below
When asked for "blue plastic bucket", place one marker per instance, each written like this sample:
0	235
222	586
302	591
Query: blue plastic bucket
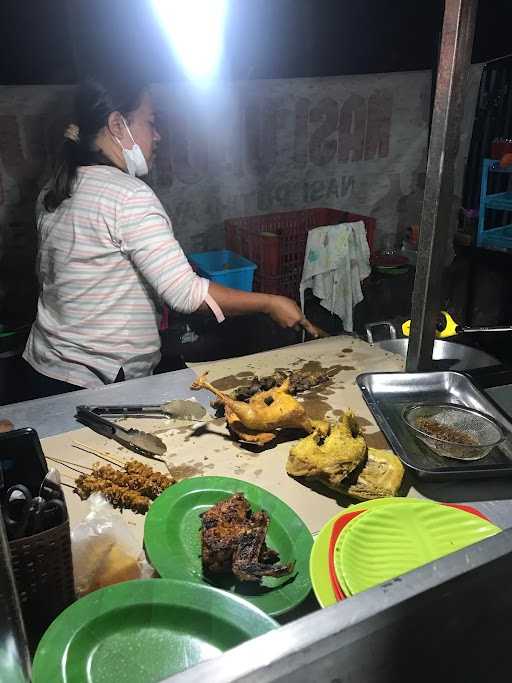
225	267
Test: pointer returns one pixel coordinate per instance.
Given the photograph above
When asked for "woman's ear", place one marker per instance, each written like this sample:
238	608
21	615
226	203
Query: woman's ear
115	125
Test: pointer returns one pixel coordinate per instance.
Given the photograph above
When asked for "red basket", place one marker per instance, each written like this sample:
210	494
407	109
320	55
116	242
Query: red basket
276	242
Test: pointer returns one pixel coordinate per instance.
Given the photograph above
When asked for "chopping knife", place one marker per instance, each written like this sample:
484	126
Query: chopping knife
320	334
134	439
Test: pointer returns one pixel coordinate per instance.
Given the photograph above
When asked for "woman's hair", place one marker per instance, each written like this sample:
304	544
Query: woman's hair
95	100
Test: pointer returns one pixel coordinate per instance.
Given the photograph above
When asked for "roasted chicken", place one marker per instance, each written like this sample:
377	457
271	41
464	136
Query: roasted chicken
299	381
337	456
266	411
330	453
381	476
233	541
242	433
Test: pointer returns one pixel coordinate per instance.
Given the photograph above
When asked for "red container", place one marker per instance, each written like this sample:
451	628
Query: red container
276	242
500	147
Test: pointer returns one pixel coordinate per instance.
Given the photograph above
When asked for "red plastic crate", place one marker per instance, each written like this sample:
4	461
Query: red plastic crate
276	242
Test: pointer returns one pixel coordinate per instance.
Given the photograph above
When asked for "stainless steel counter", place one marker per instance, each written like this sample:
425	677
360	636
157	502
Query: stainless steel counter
323	641
446	621
55	414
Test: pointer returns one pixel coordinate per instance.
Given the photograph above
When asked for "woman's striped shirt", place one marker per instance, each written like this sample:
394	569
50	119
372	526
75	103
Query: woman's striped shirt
105	255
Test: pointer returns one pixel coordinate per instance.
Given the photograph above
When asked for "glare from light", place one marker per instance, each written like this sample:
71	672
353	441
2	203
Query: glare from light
196	33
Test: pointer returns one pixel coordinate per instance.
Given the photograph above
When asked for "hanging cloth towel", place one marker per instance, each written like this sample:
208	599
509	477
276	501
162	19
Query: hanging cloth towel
337	259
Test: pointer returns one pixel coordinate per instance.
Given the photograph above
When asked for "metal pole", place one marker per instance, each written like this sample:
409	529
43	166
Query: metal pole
14	655
435	229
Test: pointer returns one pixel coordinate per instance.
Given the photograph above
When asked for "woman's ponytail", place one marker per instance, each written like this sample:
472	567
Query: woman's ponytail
64	175
95	101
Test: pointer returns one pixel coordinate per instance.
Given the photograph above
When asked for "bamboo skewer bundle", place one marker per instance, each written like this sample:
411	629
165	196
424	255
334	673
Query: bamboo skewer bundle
104	455
133	486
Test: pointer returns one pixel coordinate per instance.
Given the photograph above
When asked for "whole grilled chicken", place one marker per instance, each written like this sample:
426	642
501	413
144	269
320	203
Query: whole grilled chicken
266	411
329	454
337	456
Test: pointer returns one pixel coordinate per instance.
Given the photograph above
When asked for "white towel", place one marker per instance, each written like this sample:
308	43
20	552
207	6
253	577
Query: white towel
337	259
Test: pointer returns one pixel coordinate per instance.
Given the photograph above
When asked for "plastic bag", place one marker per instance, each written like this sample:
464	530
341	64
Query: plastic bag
104	550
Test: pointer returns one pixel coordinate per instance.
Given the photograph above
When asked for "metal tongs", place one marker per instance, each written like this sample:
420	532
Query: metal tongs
175	410
136	439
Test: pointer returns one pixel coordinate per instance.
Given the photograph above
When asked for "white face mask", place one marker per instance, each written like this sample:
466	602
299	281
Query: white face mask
135	161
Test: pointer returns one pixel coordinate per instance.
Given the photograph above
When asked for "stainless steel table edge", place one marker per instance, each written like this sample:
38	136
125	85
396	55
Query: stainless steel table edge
377	413
55	414
326	645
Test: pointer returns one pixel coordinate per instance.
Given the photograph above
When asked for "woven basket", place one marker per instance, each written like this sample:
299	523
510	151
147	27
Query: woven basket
43	570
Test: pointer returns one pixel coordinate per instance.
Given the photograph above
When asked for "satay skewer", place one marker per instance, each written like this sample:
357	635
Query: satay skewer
70	486
105	455
70	466
67	463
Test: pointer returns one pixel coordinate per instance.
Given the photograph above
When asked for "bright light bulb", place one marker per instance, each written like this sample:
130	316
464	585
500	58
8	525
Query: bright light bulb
196	32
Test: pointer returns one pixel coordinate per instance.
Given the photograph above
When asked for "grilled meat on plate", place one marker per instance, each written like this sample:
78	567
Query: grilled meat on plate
233	541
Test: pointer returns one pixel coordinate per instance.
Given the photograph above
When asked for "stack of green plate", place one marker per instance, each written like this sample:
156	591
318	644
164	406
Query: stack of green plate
391	537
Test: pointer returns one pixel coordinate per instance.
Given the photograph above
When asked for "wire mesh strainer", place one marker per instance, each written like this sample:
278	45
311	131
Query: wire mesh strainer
453	431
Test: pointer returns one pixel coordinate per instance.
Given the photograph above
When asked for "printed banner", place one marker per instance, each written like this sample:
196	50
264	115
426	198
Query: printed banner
357	143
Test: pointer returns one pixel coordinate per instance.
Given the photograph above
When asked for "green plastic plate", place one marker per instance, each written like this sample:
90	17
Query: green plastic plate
389	541
143	632
173	541
318	562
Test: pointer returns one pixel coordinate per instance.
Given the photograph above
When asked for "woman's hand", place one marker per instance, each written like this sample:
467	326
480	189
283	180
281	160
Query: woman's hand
286	313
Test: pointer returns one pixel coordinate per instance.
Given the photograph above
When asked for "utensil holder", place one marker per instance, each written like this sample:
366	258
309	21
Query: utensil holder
43	570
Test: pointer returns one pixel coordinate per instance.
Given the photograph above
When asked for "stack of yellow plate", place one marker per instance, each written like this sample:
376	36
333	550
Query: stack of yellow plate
378	540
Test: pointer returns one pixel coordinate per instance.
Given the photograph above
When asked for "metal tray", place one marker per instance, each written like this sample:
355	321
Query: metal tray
387	393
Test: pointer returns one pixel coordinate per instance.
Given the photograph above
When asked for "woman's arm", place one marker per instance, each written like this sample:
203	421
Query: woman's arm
284	311
145	234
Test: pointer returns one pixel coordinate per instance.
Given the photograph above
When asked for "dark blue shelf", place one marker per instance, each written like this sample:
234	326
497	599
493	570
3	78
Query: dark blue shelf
500	238
501	201
495	167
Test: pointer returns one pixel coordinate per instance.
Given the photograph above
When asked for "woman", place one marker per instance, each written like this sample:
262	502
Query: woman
107	251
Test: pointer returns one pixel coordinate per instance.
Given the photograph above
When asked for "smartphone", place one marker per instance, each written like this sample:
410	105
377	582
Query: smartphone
22	460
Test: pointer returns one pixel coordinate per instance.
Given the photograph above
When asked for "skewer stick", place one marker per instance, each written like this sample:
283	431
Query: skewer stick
105	455
60	462
67	462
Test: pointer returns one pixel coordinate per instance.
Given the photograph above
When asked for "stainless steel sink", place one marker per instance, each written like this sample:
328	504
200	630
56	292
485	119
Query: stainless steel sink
446	355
